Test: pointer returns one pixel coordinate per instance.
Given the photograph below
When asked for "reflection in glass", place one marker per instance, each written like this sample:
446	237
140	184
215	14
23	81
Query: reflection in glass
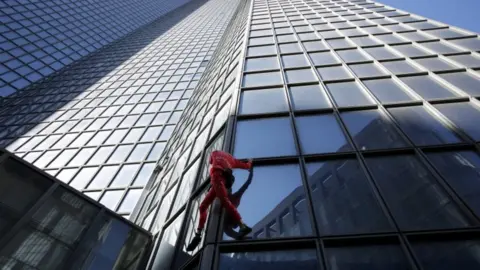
464	115
463	80
414	196
321	134
462	172
428	88
264	138
348	94
308	97
343	200
261	63
275	192
300	75
421	127
378	257
271	100
165	252
260	79
448	255
334	73
387	91
270	260
372	130
367	70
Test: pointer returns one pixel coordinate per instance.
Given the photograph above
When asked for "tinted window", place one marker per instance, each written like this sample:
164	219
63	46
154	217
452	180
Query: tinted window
352	55
264	138
472	44
410	50
295	60
279	260
386	90
343	200
283	212
367	70
435	64
261	63
448	254
308	97
413	195
321	134
372	130
334	73
272	100
261	50
422	127
400	67
440	47
463	115
466	60
261	79
428	88
464	81
348	94
381	53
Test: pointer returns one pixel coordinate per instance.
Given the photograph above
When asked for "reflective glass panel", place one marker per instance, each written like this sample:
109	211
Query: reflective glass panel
271	100
348	94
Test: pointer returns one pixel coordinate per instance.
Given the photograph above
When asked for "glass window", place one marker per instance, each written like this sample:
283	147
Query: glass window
286	38
447	254
139	153
330	34
290	48
370	257
435	64
472	44
321	134
352	55
463	80
445	33
259	33
410	50
294	60
466	60
288	196
261	41
323	58
308	97
372	130
81	157
400	67
151	134
343	200
272	100
125	175
414	36
464	115
381	53
440	47
46	158
387	91
130	200
134	135
311	46
116	136
103	177
262	79
300	76
264	63
83	177
364	41
261	50
390	38
367	70
413	195
423	25
120	154
111	198
428	88
339	43
334	73
422	127
289	259
264	138
349	94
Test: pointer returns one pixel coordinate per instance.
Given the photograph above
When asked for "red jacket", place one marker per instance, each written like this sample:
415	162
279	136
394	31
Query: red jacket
223	160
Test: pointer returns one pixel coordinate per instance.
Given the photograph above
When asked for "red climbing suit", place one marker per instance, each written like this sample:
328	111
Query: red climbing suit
220	161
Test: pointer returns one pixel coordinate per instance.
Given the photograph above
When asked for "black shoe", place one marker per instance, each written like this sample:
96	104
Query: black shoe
195	241
244	231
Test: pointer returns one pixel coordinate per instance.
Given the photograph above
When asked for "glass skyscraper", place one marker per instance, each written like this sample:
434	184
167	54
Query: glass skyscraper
362	121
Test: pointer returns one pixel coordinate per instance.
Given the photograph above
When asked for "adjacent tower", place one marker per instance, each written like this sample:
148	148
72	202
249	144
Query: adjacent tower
362	120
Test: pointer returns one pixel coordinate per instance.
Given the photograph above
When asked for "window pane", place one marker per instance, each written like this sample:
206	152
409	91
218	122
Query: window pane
321	134
421	127
460	169
381	53
352	55
120	154
372	130
140	151
254	64
125	175
466	60
463	80
308	97
103	177
440	47
291	259
414	196
314	46
445	33
130	200
387	91
377	257
414	36
272	100
290	48
343	200
261	50
472	44
364	41
294	60
348	94
400	67
261	41
339	43
288	196
367	70
81	157
463	115
390	38
428	88
83	177
323	58
447	255
300	75
435	64
111	198
264	138
410	50
334	73
261	79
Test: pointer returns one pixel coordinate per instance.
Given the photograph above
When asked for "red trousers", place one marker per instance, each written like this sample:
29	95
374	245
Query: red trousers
219	191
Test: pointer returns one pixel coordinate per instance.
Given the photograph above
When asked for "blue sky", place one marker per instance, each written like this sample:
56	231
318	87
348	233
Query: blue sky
460	13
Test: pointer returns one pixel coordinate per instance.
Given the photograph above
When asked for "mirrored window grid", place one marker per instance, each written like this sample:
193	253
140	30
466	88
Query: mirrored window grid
102	124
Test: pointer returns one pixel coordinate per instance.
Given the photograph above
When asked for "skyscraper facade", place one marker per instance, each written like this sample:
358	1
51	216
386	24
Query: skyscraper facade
38	38
101	123
363	124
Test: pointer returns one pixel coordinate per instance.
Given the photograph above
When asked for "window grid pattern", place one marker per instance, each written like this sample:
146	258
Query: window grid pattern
102	124
40	38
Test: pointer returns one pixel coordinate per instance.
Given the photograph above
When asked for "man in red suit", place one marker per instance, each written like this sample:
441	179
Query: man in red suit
221	165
